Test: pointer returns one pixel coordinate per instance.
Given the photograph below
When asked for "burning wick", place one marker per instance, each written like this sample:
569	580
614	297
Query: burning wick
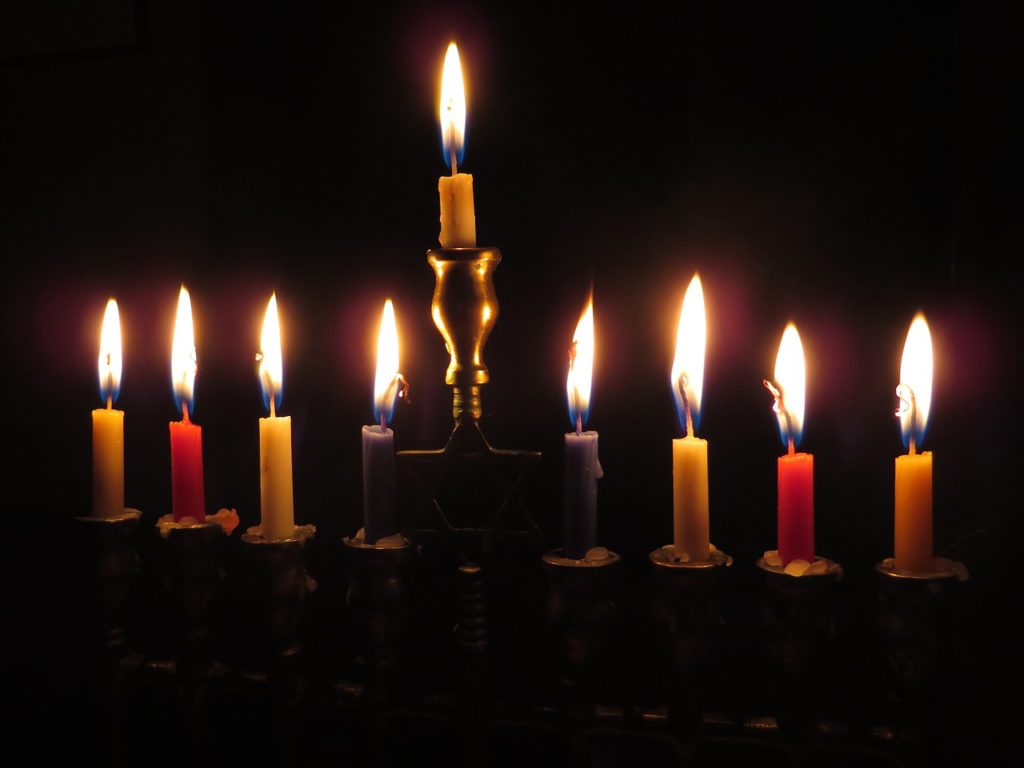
110	384
575	391
269	384
908	404
780	407
684	380
402	384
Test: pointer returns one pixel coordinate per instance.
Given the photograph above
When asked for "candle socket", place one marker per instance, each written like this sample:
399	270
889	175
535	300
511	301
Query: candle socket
797	618
378	600
918	618
691	622
191	577
580	611
276	588
465	309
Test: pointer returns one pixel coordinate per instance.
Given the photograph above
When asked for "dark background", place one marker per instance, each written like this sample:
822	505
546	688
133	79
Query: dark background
841	167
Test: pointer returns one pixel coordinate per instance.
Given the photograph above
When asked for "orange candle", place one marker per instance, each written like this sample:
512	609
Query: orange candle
913	507
108	423
187	494
796	470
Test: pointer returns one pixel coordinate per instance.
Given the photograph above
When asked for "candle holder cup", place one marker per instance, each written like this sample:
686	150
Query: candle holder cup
915	624
378	599
688	612
580	610
798	619
277	588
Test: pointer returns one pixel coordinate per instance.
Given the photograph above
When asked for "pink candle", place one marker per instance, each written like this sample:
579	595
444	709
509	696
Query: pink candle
796	470
187	495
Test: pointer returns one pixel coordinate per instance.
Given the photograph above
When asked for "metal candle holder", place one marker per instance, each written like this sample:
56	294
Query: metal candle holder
797	616
378	597
580	609
688	610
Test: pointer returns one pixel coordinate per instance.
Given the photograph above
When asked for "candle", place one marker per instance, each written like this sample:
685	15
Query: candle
277	513
690	453
582	466
187	495
796	470
913	534
380	514
458	218
108	423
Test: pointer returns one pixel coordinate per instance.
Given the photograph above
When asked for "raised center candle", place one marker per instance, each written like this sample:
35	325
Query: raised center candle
380	514
108	423
913	527
582	466
690	453
187	495
458	217
277	513
796	470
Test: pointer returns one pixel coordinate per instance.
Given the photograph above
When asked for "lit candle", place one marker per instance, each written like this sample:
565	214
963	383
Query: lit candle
582	466
796	470
380	515
108	423
187	497
277	514
690	453
458	217
913	546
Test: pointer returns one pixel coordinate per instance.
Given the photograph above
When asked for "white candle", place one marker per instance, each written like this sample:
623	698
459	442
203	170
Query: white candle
108	423
380	513
277	510
458	216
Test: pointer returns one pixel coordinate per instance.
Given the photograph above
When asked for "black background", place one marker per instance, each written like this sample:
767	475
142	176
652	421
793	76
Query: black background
841	167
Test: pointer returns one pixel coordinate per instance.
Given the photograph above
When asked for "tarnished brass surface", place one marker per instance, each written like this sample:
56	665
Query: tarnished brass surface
465	309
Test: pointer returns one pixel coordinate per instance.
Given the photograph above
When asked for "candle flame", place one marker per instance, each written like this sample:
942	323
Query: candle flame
581	367
271	363
452	108
915	387
183	353
688	365
790	386
110	354
387	382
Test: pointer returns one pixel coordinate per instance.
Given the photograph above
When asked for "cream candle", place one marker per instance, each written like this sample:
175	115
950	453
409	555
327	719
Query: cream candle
690	453
913	507
795	470
458	216
108	423
582	465
277	513
380	513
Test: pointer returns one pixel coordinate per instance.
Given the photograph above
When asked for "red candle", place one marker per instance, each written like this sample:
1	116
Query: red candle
796	470
187	496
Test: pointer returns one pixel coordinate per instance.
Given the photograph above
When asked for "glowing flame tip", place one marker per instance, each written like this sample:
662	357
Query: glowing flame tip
790	386
183	352
271	362
688	365
581	367
915	385
452	107
110	353
388	380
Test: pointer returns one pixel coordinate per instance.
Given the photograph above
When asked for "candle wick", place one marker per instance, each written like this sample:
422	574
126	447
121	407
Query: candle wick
579	420
780	408
792	447
184	412
908	404
455	162
110	402
272	412
687	416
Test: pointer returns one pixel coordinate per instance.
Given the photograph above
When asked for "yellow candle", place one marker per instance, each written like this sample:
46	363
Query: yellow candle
277	512
914	512
913	523
690	453
108	423
458	216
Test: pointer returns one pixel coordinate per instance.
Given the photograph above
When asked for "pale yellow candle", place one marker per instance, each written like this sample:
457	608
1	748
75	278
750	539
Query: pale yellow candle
690	453
913	508
458	216
108	423
690	497
277	512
